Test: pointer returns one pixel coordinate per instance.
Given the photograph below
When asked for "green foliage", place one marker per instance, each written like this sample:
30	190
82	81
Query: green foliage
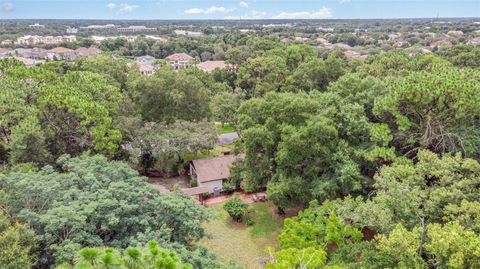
16	245
236	208
151	256
96	202
167	96
224	107
308	258
430	110
317	226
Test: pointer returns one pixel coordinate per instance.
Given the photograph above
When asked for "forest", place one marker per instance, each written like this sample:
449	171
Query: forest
381	155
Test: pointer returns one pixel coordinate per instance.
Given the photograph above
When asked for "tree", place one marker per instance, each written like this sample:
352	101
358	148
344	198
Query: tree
432	110
302	146
151	256
28	143
163	146
236	208
224	106
96	202
168	96
16	244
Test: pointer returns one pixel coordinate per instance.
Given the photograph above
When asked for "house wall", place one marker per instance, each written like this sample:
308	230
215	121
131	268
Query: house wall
211	185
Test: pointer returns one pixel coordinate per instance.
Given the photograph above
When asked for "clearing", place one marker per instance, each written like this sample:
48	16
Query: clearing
243	244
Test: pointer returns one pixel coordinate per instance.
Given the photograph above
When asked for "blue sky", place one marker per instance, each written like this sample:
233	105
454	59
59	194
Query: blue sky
235	9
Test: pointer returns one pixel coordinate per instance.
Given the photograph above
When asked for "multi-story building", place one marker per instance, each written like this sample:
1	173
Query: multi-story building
179	60
134	28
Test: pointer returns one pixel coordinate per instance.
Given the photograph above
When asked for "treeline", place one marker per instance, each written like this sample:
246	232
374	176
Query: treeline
394	138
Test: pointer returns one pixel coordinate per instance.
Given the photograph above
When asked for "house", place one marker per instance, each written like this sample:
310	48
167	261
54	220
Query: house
86	52
212	172
455	33
440	43
146	69
147	59
354	54
209	66
4	53
27	62
187	33
7	42
60	53
179	60
474	42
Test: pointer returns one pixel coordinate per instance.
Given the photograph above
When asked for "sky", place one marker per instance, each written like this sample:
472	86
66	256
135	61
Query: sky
236	9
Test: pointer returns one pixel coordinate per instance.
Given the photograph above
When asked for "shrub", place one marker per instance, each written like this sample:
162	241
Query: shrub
236	208
249	220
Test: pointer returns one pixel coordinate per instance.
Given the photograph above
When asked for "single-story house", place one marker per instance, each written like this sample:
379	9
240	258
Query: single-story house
212	172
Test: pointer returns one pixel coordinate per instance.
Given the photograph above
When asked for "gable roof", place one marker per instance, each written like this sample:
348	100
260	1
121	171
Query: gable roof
179	57
82	51
216	168
60	50
209	66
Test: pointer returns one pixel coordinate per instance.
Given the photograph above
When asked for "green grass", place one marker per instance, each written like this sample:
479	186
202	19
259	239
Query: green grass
226	128
243	244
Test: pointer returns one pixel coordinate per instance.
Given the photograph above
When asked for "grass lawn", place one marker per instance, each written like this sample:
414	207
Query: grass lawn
246	245
227	128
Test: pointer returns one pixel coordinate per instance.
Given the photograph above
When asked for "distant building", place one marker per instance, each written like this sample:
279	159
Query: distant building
72	30
36	25
60	53
4	53
98	27
188	33
209	66
87	52
455	33
325	30
156	38
179	60
7	42
354	54
475	41
32	40
133	28
440	43
147	59
28	62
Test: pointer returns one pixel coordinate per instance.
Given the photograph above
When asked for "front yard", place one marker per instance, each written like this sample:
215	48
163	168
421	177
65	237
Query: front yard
244	244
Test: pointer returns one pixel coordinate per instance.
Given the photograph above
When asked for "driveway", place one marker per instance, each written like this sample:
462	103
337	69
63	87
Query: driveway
227	138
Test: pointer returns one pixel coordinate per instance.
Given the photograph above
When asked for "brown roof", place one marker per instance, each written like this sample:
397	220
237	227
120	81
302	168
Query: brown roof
196	190
179	57
209	66
215	168
60	50
82	51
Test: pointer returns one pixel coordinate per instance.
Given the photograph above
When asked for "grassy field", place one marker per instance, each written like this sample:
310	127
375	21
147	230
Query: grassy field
226	128
246	245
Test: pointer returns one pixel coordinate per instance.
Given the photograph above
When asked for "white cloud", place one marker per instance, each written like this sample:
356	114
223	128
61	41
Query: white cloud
127	7
254	15
343	1
243	4
322	13
111	5
7	7
209	10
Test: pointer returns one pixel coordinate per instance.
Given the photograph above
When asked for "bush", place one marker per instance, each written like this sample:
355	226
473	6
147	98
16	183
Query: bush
193	183
228	187
236	208
249	220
